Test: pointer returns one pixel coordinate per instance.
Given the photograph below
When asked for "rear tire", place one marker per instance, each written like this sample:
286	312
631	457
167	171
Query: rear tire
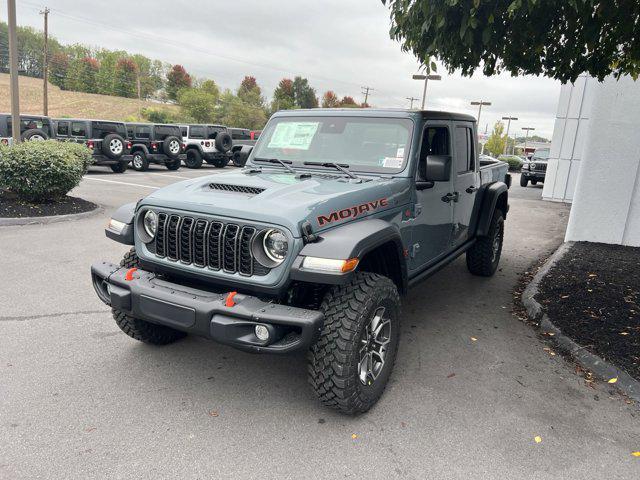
524	181
139	162
119	167
194	159
338	363
483	258
173	164
113	146
34	135
220	162
534	182
142	330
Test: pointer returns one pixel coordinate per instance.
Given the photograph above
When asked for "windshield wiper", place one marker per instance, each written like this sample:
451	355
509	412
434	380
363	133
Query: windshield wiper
343	168
277	160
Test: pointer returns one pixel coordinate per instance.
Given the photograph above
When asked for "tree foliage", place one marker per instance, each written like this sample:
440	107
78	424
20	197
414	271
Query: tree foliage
348	102
177	79
330	100
199	104
82	75
125	78
283	96
560	39
304	94
497	141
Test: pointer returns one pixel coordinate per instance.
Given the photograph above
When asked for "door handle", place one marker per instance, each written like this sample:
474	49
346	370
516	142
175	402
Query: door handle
471	189
451	197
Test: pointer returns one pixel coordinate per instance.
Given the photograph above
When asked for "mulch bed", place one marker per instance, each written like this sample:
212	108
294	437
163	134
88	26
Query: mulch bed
593	296
12	207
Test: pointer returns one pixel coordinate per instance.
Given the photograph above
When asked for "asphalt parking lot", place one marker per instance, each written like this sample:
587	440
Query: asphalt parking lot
79	399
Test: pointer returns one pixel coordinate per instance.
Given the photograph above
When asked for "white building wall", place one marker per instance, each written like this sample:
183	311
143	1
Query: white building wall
569	133
606	204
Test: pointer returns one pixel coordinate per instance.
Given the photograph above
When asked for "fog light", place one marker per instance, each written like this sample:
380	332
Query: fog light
262	333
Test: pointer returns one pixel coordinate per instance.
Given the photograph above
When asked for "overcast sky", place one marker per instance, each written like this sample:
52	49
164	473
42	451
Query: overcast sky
337	44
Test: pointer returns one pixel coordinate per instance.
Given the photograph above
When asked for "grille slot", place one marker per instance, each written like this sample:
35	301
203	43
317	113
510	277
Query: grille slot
208	244
540	167
236	188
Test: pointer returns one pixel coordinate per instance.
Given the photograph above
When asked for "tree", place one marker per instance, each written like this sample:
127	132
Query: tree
497	141
304	95
177	79
330	100
58	67
238	113
283	96
210	87
348	102
81	75
125	79
198	103
560	39
250	93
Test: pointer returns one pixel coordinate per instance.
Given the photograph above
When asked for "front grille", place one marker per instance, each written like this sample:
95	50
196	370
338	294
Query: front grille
540	167
208	244
236	188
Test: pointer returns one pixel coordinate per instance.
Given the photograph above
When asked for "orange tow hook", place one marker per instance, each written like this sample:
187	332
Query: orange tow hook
229	301
129	276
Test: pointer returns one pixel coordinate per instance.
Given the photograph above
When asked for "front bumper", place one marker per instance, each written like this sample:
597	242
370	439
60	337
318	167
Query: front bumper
216	155
205	313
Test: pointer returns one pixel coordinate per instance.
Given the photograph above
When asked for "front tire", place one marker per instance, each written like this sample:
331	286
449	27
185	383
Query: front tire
483	258
142	330
139	162
350	364
524	181
120	167
173	164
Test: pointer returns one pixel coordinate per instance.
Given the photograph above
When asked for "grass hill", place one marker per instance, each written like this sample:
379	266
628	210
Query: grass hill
73	104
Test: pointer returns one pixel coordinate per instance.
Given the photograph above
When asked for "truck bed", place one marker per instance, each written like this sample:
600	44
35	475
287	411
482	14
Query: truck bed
493	171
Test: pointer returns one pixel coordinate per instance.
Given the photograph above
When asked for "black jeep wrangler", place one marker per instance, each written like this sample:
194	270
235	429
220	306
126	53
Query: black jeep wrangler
106	139
211	143
32	127
154	143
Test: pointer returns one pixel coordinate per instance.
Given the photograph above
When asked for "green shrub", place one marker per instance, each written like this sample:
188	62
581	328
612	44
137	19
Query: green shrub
515	162
43	171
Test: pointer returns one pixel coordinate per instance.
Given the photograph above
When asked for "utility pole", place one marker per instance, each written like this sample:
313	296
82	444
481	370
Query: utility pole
426	78
411	99
13	71
506	145
45	63
480	104
527	129
366	91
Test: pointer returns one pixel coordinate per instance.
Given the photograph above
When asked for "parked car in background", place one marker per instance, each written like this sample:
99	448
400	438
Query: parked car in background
106	140
155	143
242	138
211	143
514	161
32	128
535	170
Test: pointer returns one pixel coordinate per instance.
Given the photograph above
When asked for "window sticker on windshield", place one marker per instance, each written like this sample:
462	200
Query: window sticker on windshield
296	135
392	162
400	152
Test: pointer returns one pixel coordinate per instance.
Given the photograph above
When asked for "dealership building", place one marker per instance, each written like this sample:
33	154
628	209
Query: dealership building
594	162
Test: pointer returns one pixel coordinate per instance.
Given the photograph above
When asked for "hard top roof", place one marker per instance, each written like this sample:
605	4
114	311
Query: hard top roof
377	112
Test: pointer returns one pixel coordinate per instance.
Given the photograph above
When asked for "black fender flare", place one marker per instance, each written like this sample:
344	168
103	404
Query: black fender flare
192	146
139	146
493	194
126	215
353	240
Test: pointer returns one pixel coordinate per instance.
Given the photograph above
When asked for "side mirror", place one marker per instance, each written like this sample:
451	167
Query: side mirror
438	168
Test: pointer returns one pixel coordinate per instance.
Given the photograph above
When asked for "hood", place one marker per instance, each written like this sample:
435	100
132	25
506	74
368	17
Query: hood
280	198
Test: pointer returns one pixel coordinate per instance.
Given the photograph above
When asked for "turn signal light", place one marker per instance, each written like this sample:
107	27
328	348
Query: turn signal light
330	265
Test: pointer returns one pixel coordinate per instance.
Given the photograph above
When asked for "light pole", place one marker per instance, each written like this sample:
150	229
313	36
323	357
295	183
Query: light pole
480	104
13	71
506	146
527	129
426	78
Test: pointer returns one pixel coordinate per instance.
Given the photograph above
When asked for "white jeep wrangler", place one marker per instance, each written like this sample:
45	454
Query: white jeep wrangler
211	143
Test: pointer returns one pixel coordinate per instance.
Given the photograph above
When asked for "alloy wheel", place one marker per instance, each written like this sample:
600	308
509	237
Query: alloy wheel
373	347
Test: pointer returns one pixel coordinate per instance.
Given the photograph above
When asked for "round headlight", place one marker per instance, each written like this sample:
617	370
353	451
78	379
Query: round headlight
150	223
275	245
532	166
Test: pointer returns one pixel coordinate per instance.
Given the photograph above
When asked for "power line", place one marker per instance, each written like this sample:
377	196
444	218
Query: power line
366	91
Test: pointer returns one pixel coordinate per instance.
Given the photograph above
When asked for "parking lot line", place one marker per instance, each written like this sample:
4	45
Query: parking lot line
121	183
175	176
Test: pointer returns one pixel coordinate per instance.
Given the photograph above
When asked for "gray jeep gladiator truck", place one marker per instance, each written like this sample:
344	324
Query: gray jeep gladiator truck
311	246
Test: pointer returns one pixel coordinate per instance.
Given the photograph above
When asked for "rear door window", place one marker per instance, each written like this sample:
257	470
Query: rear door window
164	131
464	150
143	132
196	132
78	129
63	129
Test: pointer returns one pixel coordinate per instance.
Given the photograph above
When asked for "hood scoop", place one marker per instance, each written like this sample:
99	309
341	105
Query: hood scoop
225	187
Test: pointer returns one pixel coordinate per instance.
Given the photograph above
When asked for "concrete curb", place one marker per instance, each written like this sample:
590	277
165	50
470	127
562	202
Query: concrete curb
8	222
603	369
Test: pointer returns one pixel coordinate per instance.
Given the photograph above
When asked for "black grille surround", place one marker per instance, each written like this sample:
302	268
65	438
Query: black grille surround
540	167
208	244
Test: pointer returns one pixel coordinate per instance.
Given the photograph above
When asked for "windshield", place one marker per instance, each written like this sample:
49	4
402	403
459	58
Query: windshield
541	154
364	144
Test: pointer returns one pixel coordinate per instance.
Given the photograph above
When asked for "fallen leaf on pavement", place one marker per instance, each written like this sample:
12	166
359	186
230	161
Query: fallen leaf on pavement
214	413
635	454
537	439
451	375
613	380
354	436
624	333
474	339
